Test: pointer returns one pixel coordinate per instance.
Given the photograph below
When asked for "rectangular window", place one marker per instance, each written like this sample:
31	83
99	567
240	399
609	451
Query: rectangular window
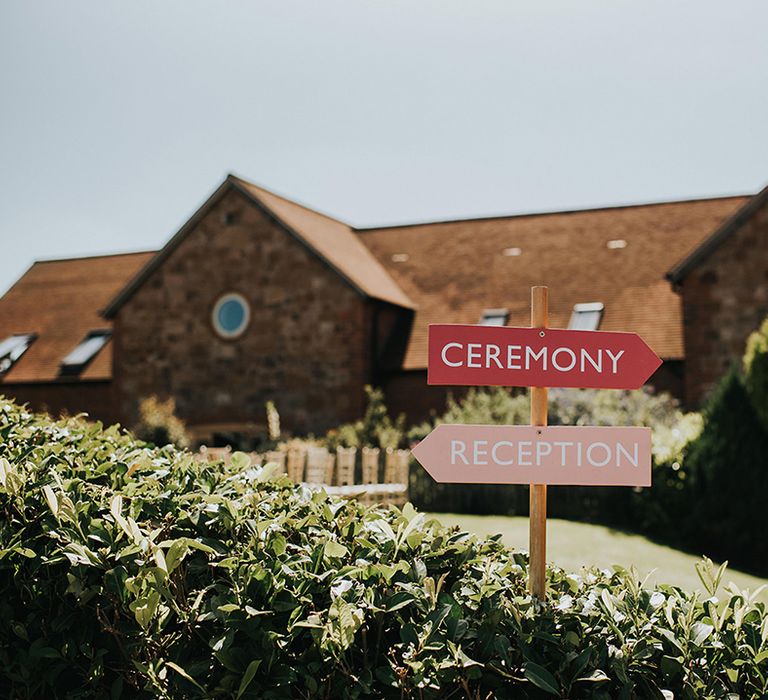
76	361
495	317
586	317
12	348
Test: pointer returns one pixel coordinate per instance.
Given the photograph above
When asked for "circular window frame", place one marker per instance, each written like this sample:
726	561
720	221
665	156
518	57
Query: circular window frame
223	333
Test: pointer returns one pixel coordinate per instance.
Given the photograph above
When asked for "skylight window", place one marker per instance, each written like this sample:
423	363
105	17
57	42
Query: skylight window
586	317
495	317
12	348
84	352
616	244
513	252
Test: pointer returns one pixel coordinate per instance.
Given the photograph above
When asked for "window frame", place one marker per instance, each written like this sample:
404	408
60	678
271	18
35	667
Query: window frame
489	314
583	309
222	299
73	369
9	357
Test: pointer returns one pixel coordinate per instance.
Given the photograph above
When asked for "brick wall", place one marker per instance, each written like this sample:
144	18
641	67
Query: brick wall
725	298
307	347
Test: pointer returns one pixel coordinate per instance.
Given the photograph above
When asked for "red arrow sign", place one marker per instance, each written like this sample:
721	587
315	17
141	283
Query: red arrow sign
523	454
500	356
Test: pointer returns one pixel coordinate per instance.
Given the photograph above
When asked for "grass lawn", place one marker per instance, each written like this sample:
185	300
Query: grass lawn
574	545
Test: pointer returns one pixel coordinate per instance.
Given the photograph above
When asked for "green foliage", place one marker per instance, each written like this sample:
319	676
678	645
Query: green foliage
672	429
375	429
159	424
728	479
756	371
134	572
494	406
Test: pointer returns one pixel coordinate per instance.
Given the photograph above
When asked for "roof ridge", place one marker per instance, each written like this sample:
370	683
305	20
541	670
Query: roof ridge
286	199
92	257
524	215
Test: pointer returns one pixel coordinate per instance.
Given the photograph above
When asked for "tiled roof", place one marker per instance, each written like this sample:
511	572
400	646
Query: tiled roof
60	301
334	241
454	270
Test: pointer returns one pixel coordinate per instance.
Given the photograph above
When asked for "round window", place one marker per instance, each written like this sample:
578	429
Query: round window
230	316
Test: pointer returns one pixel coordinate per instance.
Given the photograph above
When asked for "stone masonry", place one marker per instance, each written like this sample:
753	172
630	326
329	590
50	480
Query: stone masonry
306	347
724	299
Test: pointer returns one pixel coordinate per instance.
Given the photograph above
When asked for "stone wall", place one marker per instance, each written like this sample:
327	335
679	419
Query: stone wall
725	298
307	346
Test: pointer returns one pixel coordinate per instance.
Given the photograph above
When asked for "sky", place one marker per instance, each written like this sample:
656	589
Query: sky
118	119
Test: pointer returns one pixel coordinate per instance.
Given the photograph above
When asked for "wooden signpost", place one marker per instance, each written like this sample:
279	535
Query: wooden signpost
537	357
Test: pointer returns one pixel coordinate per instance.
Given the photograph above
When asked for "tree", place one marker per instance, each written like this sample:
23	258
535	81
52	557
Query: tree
756	370
728	470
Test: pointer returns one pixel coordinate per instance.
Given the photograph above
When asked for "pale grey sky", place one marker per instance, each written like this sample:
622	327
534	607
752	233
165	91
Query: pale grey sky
117	119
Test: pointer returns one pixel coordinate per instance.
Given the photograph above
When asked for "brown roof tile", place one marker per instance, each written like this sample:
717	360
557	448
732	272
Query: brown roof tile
456	269
60	301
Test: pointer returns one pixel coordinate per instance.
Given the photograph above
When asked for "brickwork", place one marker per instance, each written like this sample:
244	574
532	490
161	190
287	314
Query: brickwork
725	298
307	346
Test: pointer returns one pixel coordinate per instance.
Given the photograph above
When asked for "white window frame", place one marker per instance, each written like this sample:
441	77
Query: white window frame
223	332
587	316
12	348
77	359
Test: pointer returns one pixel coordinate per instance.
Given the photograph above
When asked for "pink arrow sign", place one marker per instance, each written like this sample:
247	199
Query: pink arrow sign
461	355
523	454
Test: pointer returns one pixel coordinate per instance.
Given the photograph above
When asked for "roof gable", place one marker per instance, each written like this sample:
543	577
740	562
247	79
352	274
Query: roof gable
333	241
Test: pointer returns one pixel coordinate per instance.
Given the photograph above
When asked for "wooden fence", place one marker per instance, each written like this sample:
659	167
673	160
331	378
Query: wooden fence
371	475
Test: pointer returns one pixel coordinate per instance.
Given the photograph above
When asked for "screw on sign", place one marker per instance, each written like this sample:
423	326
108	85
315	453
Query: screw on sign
537	357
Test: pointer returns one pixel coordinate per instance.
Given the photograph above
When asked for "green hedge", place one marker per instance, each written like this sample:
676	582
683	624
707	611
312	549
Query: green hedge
727	480
134	572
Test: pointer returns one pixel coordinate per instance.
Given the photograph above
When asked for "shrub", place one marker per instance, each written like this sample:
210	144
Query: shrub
159	424
136	572
375	429
756	371
494	406
728	479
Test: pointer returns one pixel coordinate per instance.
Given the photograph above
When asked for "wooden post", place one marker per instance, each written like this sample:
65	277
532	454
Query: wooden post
537	580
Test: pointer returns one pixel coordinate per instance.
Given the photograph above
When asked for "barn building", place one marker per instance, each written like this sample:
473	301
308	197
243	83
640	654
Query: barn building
257	297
